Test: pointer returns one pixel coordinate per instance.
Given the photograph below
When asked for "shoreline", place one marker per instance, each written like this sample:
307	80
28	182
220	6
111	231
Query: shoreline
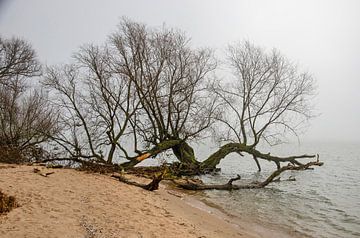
250	227
70	203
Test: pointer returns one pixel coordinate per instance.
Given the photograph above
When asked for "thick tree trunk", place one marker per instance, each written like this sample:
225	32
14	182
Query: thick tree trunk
229	148
189	165
221	153
185	153
161	147
131	163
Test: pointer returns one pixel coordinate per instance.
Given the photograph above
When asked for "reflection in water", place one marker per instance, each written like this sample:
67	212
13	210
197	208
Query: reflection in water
324	202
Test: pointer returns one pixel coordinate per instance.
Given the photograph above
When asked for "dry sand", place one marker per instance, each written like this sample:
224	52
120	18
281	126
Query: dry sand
70	203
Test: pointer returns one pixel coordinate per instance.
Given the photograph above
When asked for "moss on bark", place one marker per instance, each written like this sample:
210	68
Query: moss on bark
185	153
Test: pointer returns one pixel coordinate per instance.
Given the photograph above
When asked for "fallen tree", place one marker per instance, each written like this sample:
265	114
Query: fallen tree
268	98
197	184
148	92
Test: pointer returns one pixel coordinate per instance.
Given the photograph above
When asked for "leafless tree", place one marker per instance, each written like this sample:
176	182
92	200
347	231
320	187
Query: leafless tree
17	60
147	87
269	98
95	103
26	120
171	81
148	91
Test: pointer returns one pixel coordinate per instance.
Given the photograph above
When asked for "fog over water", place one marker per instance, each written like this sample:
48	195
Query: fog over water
322	36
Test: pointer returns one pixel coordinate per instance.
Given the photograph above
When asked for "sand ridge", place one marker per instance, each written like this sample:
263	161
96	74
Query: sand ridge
70	203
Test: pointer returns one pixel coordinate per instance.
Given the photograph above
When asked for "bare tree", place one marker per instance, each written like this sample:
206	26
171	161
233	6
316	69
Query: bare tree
171	83
26	120
269	98
17	60
147	87
95	104
148	91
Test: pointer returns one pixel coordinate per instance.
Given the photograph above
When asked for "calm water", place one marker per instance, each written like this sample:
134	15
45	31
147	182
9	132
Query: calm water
324	202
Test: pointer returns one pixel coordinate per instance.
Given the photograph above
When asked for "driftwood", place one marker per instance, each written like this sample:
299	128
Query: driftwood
194	185
38	171
153	185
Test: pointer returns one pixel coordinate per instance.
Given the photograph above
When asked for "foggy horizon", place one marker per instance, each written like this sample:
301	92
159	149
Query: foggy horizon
322	37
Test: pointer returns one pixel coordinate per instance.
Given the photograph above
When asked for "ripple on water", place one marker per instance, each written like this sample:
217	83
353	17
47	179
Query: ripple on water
324	202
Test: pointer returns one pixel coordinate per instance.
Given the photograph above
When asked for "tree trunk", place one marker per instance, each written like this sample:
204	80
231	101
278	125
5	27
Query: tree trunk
185	153
111	153
161	147
224	150
189	165
221	153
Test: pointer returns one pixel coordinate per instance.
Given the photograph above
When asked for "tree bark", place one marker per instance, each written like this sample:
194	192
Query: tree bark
229	148
185	153
111	153
190	166
221	153
161	147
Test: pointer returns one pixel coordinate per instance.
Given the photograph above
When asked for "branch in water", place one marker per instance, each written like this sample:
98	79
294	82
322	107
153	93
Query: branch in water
191	185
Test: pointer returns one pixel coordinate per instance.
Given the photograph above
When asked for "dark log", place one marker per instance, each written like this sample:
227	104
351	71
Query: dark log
190	185
153	185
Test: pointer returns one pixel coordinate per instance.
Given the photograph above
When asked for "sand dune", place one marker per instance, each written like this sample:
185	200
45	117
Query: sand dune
70	203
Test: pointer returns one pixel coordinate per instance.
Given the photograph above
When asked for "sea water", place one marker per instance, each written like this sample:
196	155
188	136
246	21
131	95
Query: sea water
324	202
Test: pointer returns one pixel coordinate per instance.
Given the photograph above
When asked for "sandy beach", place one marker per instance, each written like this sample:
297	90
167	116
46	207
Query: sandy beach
70	203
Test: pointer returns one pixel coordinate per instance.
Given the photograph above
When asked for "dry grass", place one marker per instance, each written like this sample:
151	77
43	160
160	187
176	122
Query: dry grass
7	203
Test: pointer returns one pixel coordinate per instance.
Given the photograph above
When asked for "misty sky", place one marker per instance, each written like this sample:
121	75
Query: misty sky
323	36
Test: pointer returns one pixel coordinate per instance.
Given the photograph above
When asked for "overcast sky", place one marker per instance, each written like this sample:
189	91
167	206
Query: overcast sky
321	35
